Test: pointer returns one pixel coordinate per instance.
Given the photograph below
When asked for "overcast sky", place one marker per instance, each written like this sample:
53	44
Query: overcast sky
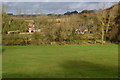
54	7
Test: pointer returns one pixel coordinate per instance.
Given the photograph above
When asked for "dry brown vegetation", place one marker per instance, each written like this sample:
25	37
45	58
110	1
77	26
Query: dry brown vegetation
102	25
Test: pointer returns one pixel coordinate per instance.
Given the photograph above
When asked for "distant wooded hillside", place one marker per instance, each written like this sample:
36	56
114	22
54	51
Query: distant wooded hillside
86	27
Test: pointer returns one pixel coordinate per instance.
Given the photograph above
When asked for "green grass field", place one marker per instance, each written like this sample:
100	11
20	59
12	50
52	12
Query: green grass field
93	61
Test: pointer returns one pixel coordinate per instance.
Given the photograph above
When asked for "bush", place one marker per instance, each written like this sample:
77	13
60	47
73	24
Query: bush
13	39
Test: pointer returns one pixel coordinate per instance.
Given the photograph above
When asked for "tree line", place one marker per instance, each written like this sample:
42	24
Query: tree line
102	25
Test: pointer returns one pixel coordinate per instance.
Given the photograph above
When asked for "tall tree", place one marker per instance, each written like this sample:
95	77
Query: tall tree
102	16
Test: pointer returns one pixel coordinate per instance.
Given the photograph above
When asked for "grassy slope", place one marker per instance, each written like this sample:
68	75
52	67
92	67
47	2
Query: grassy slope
60	61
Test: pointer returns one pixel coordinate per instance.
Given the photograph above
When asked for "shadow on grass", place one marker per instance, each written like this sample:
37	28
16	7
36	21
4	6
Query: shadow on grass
84	69
3	50
15	75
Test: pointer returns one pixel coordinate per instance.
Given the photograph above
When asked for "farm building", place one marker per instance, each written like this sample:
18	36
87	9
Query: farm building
81	30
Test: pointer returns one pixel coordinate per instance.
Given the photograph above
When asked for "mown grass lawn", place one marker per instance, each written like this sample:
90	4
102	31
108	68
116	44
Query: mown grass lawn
93	61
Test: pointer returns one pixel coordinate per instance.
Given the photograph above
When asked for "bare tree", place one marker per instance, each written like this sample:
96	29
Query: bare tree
38	11
18	11
111	14
5	8
102	16
106	18
25	11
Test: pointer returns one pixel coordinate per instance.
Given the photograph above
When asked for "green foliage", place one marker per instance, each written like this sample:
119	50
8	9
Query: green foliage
14	39
101	24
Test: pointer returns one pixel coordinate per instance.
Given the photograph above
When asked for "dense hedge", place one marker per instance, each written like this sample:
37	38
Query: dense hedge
33	39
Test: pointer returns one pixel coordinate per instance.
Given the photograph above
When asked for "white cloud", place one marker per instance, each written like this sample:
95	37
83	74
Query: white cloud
75	6
53	7
60	0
